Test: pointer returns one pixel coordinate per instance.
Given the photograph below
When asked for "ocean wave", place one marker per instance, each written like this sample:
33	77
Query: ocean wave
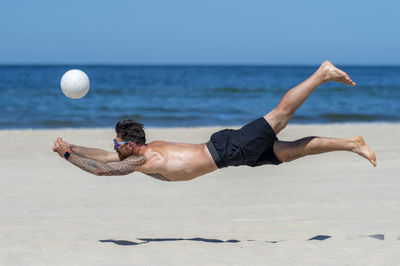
60	123
109	91
337	117
139	117
238	90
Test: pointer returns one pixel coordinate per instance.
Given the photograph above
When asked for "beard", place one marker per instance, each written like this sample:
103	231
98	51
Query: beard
122	156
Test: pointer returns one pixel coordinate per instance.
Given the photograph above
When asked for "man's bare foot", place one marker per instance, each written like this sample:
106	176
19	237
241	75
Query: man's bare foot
332	73
362	149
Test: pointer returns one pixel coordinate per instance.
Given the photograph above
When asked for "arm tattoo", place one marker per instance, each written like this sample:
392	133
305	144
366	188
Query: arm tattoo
94	154
124	167
159	176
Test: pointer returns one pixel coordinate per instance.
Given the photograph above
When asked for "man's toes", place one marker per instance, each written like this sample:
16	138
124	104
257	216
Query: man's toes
350	81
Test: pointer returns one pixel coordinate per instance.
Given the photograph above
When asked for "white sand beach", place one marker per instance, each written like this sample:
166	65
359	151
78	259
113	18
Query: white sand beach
53	213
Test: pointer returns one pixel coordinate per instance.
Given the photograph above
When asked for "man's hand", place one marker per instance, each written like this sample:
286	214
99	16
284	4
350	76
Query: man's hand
61	147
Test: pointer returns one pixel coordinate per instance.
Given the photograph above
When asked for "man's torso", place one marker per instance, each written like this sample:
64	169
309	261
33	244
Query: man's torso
176	161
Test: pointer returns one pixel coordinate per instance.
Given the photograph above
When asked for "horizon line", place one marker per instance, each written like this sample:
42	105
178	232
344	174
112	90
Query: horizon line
198	64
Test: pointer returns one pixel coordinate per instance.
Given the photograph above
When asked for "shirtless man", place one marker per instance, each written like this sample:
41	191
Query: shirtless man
254	144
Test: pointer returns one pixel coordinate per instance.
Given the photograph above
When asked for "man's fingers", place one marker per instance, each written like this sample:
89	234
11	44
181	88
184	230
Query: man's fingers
58	144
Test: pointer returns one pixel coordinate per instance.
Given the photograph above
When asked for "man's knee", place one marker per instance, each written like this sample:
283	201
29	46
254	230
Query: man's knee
277	119
284	151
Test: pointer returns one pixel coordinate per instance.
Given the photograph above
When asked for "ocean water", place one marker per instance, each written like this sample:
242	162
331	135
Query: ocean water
170	96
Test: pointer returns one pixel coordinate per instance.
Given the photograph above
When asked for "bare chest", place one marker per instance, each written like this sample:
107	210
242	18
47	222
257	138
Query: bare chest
177	162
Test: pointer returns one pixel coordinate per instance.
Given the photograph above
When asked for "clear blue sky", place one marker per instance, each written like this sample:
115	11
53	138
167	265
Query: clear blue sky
200	32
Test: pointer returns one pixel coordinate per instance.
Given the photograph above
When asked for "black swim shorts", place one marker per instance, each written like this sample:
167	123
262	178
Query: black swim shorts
251	145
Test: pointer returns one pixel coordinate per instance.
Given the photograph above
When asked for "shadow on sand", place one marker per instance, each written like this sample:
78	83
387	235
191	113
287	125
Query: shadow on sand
149	240
209	240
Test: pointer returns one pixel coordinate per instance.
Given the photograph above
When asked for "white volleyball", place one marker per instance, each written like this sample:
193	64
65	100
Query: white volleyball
75	84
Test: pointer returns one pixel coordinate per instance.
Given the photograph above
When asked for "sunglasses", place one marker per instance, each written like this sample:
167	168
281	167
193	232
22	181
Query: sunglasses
118	144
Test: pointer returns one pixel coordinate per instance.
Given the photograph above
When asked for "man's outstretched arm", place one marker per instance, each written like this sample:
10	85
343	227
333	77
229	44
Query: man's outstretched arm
124	167
95	154
92	153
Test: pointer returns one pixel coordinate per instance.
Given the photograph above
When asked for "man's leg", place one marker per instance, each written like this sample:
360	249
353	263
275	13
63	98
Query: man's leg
295	97
287	151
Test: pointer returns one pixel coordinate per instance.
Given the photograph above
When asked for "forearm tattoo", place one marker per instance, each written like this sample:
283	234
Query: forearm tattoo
159	176
124	167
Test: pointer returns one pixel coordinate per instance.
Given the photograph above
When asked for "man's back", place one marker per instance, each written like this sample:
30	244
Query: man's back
176	161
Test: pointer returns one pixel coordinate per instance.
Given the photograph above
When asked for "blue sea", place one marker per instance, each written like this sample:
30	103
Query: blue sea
171	96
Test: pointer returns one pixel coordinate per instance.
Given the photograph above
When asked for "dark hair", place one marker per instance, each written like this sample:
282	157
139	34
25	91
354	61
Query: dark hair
131	130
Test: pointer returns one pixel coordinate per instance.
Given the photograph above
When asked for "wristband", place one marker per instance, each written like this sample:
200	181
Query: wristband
67	154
